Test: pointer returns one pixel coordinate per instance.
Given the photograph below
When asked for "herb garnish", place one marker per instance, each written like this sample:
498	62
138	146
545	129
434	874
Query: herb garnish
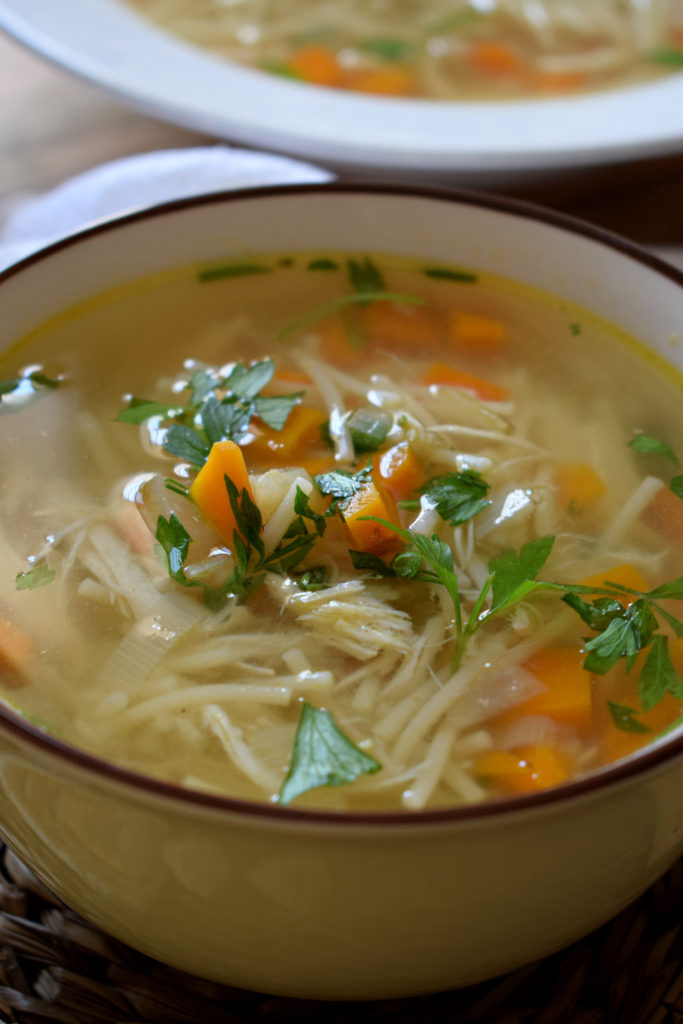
232	270
220	408
251	563
322	264
457	497
38	576
652	446
624	718
322	755
28	384
446	274
369	286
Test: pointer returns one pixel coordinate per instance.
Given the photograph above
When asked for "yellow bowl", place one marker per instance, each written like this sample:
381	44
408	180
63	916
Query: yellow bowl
319	904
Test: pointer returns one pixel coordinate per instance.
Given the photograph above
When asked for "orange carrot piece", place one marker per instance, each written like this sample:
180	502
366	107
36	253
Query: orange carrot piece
317	65
478	335
367	535
209	492
15	646
399	470
494	58
397	326
525	770
626	575
287	446
395	81
578	486
665	514
440	374
568	697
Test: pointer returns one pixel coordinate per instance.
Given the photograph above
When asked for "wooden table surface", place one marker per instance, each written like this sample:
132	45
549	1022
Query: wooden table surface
53	126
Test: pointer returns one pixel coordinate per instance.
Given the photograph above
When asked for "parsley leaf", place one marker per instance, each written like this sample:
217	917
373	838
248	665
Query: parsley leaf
322	755
340	483
29	384
369	429
457	497
175	542
658	675
187	444
140	409
39	576
624	718
514	575
312	579
676	485
365	277
624	637
652	446
446	274
598	614
232	270
274	410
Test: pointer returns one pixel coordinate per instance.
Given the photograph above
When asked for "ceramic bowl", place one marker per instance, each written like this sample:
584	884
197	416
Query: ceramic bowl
318	904
107	43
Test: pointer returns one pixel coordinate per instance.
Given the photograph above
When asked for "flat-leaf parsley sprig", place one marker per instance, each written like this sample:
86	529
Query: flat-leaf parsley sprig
220	408
622	628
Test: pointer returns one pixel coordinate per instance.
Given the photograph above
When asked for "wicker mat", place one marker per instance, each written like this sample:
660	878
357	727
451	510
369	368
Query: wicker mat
55	967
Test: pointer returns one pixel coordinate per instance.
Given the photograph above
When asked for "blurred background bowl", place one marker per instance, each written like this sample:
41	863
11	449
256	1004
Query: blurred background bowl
476	142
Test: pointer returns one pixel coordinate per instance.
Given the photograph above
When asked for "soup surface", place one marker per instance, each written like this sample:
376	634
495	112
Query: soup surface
448	49
355	532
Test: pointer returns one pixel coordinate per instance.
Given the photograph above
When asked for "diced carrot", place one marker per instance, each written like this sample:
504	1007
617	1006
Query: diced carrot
443	375
317	65
568	697
625	575
494	58
367	535
394	81
478	335
396	326
290	445
15	646
578	486
665	514
399	470
556	81
525	770
208	489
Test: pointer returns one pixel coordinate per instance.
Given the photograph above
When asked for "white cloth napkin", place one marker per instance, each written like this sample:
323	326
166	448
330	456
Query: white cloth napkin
139	181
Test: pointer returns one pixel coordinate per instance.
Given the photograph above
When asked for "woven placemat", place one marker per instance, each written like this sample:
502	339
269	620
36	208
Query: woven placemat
56	967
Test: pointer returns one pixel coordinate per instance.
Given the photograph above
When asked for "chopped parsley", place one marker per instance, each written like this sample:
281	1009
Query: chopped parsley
38	576
219	408
232	270
322	755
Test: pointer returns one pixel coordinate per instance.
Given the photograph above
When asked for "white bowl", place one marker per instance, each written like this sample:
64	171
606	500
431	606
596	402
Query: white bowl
322	904
106	43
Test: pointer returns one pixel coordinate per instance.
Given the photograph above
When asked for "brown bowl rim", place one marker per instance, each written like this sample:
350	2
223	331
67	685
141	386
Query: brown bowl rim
587	785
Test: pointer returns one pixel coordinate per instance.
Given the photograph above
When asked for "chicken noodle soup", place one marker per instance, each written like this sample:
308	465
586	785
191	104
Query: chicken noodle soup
346	531
445	49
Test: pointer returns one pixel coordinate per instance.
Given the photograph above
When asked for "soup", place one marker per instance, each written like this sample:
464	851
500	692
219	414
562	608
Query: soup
448	50
345	531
